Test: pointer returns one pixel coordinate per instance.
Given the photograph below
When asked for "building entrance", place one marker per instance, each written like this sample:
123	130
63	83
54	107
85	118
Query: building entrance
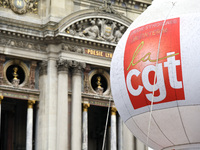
13	124
96	126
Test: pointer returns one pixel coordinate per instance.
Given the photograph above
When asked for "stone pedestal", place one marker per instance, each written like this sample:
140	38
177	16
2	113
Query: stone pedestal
85	126
113	138
29	127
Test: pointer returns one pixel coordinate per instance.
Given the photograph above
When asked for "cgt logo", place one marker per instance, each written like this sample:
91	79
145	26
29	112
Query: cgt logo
140	64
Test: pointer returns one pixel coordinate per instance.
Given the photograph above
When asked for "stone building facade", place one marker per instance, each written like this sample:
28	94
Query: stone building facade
54	74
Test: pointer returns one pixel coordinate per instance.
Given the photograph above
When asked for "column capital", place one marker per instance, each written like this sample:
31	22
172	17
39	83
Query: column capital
63	65
113	110
31	103
77	67
43	68
86	106
1	98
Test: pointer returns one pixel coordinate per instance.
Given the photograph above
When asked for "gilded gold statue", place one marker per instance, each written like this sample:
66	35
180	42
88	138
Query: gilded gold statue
15	69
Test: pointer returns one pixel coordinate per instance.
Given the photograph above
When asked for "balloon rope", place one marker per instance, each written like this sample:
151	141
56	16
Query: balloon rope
152	100
104	137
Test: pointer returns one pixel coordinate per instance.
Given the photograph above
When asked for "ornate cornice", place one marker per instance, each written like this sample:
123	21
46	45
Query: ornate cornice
22	44
140	5
108	8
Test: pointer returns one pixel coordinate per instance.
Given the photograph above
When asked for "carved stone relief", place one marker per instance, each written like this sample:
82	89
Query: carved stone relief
86	79
32	74
107	7
21	6
63	65
23	44
72	48
98	29
2	60
77	67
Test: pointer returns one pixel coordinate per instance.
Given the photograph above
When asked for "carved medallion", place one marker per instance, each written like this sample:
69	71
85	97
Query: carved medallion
21	6
18	6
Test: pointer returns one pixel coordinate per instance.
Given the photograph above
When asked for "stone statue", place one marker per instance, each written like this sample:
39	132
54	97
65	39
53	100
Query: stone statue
119	33
92	31
71	30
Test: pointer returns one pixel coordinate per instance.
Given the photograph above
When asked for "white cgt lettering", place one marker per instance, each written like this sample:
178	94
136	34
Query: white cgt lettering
160	84
171	64
129	85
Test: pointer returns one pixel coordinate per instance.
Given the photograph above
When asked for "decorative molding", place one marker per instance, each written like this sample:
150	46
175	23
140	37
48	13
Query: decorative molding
98	29
32	74
107	7
62	65
43	68
107	77
23	44
21	6
86	79
72	48
15	83
19	93
97	100
2	61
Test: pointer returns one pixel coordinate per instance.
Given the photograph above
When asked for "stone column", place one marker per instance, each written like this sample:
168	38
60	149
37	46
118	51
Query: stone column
120	137
29	126
85	126
1	98
113	129
62	109
42	114
52	91
128	139
76	105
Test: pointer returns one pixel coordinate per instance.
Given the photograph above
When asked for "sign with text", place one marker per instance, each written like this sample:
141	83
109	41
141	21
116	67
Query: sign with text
98	53
141	61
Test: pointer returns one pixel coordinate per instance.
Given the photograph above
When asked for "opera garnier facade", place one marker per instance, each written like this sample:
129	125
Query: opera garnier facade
55	60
